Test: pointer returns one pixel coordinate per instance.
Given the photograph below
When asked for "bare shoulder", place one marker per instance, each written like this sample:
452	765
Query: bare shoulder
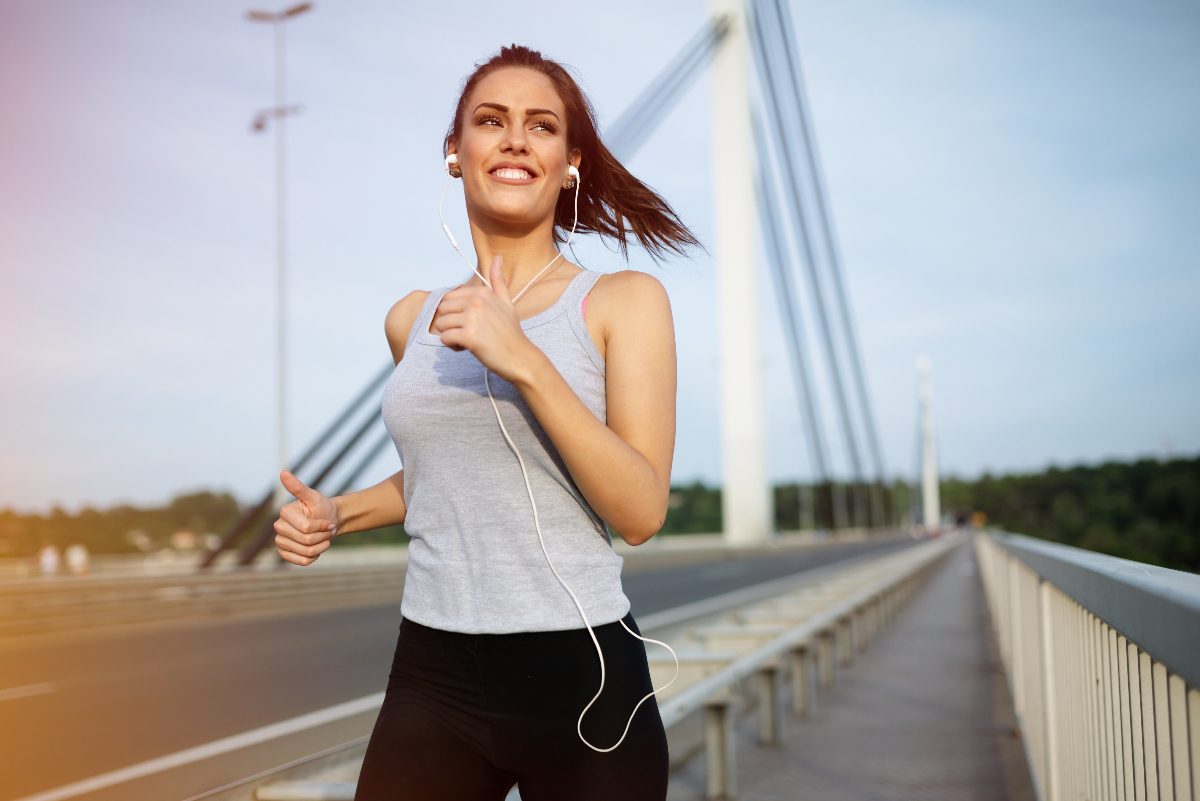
629	283
628	301
401	317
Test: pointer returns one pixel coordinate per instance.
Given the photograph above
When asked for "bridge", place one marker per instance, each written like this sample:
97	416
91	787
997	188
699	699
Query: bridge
974	664
854	657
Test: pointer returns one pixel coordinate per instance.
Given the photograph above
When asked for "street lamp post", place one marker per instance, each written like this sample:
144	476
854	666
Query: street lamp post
280	113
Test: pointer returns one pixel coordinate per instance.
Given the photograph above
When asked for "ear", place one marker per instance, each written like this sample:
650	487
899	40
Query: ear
451	147
576	154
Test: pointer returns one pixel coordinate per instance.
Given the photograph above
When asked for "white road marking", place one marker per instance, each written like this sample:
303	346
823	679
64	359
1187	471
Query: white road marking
215	748
26	690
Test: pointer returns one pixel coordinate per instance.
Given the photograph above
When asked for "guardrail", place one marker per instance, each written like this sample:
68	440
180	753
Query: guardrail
807	634
1102	657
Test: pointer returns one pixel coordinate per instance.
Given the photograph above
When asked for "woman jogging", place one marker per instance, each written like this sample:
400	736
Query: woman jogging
533	410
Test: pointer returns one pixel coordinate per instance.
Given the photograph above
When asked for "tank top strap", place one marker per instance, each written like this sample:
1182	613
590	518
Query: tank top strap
579	287
426	316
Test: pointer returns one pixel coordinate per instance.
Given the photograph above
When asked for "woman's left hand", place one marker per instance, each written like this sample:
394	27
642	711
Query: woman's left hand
484	321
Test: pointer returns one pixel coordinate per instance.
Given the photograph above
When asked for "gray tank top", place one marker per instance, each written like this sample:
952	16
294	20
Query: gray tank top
474	561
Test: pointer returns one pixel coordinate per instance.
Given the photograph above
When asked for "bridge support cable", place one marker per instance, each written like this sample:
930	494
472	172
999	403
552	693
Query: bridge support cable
630	131
795	77
247	520
350	479
789	175
790	312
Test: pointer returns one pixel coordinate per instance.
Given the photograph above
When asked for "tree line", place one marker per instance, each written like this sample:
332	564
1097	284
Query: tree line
1147	510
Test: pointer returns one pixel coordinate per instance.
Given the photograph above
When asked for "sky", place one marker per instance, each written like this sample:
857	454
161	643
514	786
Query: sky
1014	188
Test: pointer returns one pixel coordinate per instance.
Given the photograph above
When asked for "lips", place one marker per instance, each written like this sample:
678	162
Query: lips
513	171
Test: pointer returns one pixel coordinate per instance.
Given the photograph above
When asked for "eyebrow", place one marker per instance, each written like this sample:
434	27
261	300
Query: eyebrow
530	112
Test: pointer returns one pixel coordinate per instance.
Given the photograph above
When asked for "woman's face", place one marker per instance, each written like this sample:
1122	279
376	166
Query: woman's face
513	148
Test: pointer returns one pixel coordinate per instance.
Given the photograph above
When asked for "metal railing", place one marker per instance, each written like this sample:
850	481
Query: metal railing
744	661
1103	660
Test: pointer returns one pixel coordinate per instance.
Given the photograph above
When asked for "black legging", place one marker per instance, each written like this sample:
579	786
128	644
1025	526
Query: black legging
467	716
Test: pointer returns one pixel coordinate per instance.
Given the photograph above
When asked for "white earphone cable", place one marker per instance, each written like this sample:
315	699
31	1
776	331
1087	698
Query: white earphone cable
483	277
537	523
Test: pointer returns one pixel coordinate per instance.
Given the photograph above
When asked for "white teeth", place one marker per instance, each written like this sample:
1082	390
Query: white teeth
508	172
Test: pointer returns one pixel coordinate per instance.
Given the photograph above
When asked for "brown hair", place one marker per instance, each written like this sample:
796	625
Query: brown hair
611	199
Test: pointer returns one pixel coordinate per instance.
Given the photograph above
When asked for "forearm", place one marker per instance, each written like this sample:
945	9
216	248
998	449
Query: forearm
616	479
375	507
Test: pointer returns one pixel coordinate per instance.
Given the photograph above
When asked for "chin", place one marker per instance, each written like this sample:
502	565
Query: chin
513	216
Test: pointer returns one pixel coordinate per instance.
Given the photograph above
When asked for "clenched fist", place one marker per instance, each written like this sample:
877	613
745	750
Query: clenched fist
306	526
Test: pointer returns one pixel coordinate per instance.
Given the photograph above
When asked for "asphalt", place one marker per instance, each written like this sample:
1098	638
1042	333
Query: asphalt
75	710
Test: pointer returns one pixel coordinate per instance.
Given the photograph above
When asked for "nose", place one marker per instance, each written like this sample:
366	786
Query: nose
514	139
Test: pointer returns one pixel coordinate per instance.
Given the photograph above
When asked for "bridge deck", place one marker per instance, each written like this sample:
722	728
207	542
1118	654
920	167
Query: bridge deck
924	713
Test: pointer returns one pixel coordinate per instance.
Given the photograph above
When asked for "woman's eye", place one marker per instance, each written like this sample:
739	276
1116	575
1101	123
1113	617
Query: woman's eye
488	118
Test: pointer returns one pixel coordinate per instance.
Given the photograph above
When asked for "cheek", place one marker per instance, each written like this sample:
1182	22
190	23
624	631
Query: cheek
470	152
472	145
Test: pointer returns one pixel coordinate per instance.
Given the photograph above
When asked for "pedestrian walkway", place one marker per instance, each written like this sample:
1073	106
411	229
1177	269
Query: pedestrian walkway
924	713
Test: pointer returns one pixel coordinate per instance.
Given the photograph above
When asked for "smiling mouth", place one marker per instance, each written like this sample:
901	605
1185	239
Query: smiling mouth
512	175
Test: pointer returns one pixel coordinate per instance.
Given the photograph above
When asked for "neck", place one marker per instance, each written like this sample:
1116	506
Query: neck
526	253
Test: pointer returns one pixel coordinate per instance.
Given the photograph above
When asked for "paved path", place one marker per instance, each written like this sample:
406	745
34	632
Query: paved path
924	713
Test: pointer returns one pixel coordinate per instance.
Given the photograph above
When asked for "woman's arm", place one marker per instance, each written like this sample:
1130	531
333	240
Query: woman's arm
375	507
623	468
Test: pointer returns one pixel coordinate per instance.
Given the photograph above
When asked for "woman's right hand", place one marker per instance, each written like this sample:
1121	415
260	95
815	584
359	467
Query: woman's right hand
306	526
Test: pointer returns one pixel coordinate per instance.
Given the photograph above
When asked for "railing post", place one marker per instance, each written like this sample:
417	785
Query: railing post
1125	701
770	722
804	679
719	746
1012	617
1049	694
825	657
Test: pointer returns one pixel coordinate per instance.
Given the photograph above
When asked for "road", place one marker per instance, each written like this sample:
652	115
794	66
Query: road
76	711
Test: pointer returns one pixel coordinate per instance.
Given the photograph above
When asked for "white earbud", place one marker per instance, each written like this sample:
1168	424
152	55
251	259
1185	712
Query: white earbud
451	160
